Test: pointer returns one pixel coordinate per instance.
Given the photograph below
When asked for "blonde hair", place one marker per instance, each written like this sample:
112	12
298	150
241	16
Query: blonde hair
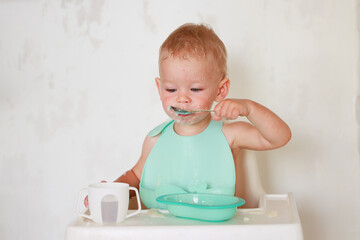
195	40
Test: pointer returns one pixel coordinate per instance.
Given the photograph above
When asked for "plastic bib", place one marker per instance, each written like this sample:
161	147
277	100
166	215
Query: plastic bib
202	163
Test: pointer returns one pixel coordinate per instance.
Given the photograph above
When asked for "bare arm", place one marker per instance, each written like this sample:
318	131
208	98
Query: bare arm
148	145
133	176
266	131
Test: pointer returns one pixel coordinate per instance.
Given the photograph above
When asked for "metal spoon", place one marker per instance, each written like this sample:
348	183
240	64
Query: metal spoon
184	112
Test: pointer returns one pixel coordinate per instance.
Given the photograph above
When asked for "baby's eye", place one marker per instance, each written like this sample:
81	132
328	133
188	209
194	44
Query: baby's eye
170	90
196	89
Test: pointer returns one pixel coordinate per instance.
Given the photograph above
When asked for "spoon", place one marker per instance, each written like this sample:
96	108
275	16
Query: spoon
184	112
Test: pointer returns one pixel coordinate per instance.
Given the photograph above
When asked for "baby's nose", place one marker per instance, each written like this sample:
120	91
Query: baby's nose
183	98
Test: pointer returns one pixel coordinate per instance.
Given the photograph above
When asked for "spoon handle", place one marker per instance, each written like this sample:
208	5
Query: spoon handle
202	110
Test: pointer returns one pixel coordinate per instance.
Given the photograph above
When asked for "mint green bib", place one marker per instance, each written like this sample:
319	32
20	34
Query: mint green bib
201	163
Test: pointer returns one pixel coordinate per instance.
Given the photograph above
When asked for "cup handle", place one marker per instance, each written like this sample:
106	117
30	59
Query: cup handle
138	201
80	201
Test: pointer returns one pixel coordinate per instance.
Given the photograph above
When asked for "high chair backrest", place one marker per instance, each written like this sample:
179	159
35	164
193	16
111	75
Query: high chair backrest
248	183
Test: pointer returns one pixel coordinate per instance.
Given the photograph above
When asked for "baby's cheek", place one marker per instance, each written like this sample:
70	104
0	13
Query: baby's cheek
166	101
205	104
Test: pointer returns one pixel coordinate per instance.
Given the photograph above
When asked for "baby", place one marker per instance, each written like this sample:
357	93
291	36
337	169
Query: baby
195	151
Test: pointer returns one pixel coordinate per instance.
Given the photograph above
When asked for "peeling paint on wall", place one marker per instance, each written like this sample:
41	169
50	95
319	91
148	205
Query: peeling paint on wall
84	18
150	23
30	55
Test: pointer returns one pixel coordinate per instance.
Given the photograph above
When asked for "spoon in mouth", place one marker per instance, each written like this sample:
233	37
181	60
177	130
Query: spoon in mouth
184	112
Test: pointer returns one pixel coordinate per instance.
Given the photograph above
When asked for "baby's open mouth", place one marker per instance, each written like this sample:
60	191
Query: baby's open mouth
179	111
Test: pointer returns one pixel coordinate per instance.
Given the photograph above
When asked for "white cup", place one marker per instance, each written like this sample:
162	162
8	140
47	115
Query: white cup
108	202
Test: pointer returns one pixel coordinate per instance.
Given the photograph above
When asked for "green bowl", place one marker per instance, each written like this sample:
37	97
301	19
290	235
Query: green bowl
202	206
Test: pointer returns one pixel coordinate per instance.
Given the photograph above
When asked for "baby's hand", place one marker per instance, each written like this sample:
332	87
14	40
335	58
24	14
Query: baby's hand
231	109
86	200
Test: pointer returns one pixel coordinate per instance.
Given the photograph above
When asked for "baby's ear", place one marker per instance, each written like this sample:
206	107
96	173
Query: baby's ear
158	85
223	90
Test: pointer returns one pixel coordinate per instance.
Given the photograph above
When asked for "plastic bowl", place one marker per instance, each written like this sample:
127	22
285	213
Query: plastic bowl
202	206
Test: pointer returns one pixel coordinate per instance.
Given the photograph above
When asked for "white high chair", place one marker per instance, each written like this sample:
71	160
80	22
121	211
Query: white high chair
265	216
248	183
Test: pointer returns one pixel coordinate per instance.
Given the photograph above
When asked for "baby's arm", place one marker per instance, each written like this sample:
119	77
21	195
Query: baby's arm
133	176
266	131
130	178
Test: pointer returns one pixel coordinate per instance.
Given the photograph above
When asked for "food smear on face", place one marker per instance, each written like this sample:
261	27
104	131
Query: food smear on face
179	111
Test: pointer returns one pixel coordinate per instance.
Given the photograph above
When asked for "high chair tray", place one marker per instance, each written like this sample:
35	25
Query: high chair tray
276	218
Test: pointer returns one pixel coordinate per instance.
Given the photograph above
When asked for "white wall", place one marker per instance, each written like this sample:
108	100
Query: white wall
75	75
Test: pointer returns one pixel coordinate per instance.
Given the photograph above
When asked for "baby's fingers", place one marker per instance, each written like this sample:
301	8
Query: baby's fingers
217	111
235	113
86	201
225	110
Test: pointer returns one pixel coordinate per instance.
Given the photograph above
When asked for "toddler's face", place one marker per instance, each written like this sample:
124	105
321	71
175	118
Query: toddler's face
189	85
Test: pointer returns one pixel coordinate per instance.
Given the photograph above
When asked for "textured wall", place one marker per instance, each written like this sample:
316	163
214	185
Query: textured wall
75	75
